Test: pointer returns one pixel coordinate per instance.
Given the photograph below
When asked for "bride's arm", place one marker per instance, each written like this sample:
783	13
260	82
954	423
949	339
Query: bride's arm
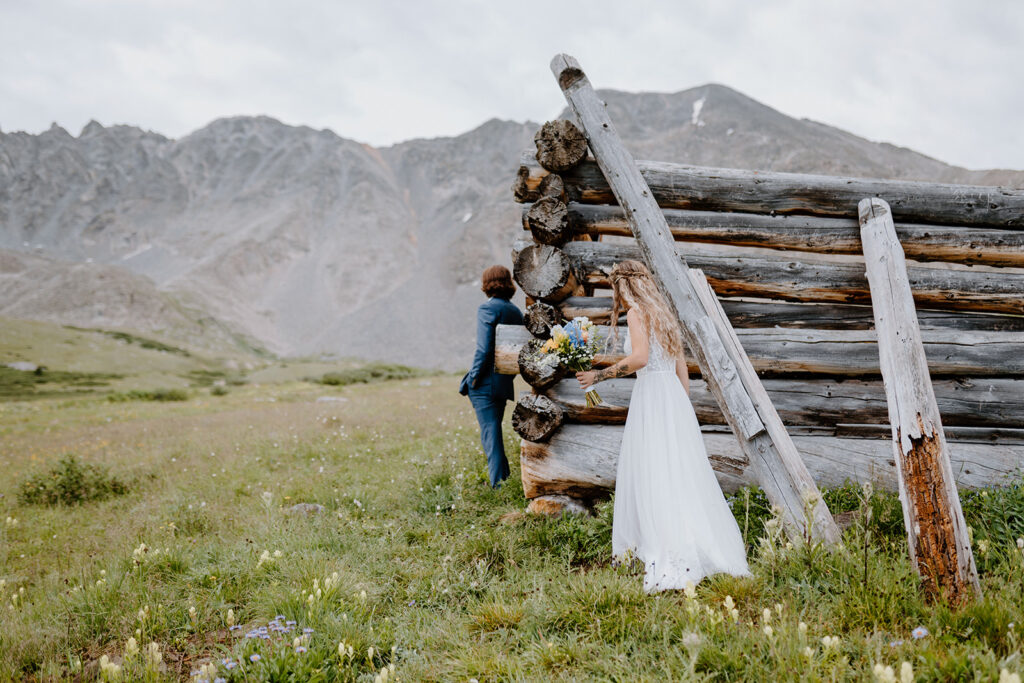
683	373
628	365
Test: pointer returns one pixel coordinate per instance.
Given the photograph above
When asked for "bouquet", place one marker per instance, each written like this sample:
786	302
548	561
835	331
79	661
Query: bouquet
574	345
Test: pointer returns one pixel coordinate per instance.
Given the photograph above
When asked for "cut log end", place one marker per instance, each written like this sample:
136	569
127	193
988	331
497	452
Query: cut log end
560	145
548	220
556	505
536	417
538	374
540	318
544	272
552	186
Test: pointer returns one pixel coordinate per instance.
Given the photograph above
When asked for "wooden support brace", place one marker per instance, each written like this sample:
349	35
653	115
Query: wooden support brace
939	545
768	447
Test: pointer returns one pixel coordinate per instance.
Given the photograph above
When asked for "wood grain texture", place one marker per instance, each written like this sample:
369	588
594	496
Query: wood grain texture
940	546
768	448
985	403
812	280
828	316
777	352
698	188
580	460
956	244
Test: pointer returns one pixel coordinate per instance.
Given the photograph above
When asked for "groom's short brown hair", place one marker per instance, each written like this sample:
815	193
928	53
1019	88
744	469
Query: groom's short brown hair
497	281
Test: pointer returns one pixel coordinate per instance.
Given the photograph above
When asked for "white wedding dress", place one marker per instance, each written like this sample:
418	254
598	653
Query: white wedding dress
669	509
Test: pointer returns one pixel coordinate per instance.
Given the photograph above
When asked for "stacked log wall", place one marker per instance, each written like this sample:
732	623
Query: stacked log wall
783	254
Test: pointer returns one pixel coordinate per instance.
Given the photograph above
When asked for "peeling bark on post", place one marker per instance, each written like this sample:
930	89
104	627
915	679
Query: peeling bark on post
936	531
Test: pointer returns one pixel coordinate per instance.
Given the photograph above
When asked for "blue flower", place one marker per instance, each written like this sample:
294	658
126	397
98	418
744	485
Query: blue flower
919	633
307	630
220	680
236	627
300	649
254	657
290	623
279	617
895	643
229	664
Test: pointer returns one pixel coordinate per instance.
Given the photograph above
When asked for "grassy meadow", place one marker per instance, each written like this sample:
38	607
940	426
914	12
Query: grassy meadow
169	547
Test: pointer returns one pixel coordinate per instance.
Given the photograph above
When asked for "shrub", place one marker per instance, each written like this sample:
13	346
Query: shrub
374	372
70	482
219	390
154	395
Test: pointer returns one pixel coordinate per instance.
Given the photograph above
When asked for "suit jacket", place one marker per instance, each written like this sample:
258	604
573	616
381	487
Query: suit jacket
481	378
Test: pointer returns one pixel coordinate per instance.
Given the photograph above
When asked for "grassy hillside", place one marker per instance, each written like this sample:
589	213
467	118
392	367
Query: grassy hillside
412	560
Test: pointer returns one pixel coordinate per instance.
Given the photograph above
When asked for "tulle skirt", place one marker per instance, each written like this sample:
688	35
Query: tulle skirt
669	509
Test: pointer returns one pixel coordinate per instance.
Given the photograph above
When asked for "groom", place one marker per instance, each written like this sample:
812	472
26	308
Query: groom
487	390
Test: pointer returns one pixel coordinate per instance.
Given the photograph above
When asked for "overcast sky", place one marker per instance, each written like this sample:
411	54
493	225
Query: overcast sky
943	77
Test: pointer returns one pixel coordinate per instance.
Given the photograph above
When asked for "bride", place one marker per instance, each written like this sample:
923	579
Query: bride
669	510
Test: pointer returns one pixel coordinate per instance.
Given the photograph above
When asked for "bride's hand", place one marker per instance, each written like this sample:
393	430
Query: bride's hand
587	379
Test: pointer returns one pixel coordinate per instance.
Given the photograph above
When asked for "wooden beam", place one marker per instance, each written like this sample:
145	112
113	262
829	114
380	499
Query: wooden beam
984	403
828	316
552	222
806	279
767	446
697	188
580	460
838	353
940	546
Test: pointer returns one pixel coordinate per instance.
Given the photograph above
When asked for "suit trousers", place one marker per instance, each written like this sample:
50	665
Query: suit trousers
489	413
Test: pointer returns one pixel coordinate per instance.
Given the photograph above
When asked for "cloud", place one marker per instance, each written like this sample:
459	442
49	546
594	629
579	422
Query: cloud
939	77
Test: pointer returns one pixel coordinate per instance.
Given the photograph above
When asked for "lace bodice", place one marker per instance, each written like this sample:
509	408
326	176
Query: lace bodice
657	359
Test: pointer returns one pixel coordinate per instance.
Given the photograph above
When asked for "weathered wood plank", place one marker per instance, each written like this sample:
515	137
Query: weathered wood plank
940	547
697	188
838	353
991	403
812	280
580	460
552	222
767	446
747	314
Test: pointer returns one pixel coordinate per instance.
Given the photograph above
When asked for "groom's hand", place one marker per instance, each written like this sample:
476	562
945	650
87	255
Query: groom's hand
587	379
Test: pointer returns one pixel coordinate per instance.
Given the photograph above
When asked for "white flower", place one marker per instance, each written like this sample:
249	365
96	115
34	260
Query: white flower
729	604
735	614
268	497
1006	677
690	589
691	640
766	615
808	652
1020	544
131	648
768	631
153	655
884	674
906	673
829	642
983	546
231	617
802	627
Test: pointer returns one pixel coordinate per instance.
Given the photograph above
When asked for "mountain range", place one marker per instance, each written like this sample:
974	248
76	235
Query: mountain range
300	242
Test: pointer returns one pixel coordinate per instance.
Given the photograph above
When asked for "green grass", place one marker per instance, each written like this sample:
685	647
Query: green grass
416	557
371	372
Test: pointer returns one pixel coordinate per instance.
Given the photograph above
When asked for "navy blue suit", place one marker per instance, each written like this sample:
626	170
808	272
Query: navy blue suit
487	389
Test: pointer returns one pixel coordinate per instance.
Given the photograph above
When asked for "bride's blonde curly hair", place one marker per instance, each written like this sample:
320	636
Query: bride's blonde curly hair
633	285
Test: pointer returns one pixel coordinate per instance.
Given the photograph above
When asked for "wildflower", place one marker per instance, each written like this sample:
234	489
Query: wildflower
906	673
895	643
131	648
1020	544
153	655
307	631
829	642
277	554
768	631
802	627
729	604
766	615
808	652
139	554
300	650
919	633
229	664
12	521
778	608
884	674
220	679
268	497
735	614
144	613
230	620
1006	677
345	650
691	640
192	614
264	559
254	657
109	670
983	546
690	589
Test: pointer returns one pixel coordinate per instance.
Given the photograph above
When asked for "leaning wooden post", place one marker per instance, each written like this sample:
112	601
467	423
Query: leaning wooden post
770	451
936	531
